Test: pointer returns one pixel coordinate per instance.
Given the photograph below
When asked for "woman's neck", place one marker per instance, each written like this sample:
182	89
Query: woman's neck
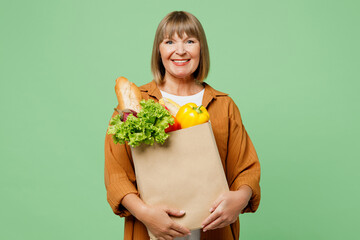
180	87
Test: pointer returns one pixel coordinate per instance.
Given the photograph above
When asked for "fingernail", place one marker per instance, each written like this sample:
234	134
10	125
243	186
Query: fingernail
182	211
204	230
211	209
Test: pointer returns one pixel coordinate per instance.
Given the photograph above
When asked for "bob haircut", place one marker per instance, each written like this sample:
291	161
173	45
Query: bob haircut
180	22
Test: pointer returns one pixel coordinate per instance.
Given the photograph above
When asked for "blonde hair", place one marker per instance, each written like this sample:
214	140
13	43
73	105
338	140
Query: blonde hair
180	22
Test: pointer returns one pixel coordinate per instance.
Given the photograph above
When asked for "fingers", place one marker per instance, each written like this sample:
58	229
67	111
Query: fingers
173	233
166	237
213	225
174	212
161	226
213	216
181	229
216	203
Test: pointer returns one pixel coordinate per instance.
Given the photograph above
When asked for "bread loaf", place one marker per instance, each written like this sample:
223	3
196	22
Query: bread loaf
128	94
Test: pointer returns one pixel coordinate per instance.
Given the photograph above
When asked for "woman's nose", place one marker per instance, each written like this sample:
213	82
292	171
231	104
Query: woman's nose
180	49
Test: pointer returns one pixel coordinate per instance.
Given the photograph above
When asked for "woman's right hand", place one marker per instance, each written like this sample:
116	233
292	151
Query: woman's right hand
158	222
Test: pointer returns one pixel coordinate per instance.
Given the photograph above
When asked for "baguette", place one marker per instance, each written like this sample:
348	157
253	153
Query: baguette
128	94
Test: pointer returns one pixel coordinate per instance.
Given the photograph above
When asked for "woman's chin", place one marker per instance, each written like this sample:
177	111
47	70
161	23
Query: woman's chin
183	75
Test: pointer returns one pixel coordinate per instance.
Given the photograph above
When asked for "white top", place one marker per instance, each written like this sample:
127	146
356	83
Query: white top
195	235
182	100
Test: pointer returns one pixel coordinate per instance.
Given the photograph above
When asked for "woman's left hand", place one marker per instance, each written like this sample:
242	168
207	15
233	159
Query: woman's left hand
227	207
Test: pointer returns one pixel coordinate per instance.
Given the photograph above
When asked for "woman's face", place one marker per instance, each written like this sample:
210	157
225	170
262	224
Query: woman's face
180	56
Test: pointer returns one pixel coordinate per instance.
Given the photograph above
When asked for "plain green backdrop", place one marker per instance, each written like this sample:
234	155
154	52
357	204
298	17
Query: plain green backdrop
292	67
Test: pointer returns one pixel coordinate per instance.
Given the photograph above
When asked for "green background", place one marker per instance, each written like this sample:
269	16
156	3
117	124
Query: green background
292	67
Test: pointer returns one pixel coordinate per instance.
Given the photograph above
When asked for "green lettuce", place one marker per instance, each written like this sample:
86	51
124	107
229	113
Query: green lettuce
147	127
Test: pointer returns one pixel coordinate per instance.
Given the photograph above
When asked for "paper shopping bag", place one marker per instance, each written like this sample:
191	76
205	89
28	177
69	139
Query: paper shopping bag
184	173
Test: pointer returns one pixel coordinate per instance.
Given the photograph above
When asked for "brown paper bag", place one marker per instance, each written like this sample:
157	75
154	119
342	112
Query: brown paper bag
185	173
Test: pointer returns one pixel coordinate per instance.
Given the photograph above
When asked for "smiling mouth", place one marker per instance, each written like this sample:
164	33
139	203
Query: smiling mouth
181	61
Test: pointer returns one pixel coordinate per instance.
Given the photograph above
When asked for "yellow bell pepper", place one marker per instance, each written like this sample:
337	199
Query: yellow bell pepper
190	115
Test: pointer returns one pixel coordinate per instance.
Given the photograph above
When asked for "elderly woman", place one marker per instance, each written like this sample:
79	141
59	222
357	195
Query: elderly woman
180	63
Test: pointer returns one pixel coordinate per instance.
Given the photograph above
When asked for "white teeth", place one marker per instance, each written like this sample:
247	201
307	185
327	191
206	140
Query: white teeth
180	61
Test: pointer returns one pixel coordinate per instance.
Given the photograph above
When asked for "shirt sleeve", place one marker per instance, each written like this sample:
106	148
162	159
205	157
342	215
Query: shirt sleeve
243	167
119	174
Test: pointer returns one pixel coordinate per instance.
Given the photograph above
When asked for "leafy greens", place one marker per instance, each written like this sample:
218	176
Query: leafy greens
147	127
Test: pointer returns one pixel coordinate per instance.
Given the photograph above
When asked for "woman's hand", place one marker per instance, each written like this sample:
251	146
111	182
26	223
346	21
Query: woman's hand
158	222
156	219
227	207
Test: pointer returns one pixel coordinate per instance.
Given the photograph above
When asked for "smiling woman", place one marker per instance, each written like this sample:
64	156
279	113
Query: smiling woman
180	56
185	32
180	63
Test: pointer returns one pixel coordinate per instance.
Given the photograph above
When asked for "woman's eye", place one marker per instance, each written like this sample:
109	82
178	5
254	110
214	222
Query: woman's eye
190	41
169	42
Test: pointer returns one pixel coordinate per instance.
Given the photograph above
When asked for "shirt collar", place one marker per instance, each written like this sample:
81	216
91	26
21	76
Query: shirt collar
209	93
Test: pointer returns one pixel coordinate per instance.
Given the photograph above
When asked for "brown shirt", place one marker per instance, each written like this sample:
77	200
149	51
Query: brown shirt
238	156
